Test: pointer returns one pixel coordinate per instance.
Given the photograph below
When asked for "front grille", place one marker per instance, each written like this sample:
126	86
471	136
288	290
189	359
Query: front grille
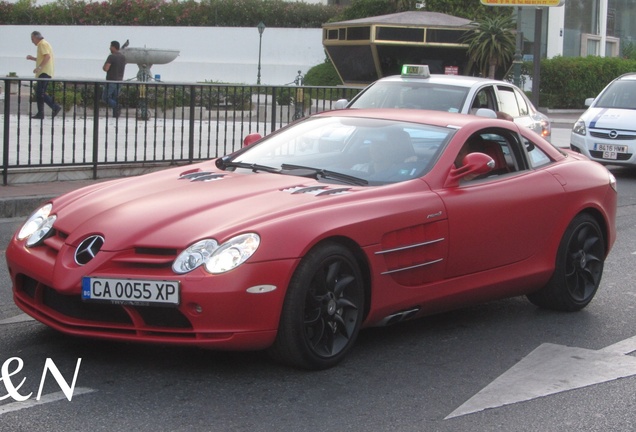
606	135
102	316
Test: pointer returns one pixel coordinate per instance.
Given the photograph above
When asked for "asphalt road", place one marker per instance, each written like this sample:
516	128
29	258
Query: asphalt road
459	371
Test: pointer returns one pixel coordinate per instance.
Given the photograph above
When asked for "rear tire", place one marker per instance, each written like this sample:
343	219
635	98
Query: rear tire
579	267
323	310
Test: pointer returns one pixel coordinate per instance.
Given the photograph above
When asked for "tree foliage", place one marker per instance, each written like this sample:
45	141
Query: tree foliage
491	44
223	13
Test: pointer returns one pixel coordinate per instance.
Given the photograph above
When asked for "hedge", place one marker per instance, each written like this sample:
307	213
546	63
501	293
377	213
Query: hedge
567	81
212	13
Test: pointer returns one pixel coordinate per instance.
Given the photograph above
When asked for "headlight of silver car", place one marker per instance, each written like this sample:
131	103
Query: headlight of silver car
37	225
579	128
217	258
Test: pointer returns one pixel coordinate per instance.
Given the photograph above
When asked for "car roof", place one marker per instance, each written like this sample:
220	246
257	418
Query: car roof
631	76
455	80
428	117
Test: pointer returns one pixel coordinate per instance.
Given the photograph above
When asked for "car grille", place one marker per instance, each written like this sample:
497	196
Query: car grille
620	156
619	137
65	310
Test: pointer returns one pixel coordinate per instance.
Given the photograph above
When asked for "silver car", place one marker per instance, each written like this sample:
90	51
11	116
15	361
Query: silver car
417	88
606	132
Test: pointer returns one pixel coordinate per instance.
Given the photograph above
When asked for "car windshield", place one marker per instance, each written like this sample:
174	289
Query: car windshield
417	95
621	94
348	150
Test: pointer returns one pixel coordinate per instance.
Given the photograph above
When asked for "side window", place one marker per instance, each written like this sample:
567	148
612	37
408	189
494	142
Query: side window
522	103
536	156
484	99
508	101
502	145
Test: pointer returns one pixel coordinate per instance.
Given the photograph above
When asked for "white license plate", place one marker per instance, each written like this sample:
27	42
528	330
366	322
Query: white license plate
610	151
131	291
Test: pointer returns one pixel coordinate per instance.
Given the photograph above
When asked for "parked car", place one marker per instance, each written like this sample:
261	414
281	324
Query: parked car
340	221
606	132
417	88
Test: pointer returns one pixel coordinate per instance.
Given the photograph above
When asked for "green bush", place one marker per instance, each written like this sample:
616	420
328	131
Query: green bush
567	81
323	74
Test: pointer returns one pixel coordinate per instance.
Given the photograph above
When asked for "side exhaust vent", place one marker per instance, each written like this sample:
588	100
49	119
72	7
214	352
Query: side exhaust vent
399	317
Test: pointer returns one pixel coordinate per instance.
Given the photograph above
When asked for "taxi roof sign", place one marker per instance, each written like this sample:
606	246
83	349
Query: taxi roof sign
523	2
418	71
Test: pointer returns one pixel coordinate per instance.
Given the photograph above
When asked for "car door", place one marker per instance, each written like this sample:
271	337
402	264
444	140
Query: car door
501	219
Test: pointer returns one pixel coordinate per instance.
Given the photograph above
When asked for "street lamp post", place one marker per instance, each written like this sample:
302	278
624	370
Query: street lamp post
261	29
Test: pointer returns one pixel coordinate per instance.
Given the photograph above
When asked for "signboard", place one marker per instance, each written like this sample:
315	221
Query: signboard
451	70
523	2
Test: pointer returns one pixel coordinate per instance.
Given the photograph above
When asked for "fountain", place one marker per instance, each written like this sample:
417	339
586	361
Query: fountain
145	58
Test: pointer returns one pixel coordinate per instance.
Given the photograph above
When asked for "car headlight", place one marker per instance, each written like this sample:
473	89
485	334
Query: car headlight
37	226
217	258
579	128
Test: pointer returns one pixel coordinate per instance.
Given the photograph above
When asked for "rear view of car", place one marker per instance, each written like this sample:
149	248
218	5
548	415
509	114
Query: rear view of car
606	132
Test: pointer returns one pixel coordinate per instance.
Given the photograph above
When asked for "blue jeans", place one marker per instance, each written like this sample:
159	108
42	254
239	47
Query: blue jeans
111	93
41	96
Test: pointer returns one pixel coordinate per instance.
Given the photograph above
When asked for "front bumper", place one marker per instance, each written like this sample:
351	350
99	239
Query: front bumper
215	311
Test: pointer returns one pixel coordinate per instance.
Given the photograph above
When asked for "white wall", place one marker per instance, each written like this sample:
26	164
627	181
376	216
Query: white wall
226	54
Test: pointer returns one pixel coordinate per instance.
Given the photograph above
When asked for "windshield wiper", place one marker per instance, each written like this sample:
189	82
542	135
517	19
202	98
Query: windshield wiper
223	164
316	173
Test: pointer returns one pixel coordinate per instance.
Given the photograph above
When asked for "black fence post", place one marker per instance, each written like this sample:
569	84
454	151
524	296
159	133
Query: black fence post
96	98
273	124
191	124
5	134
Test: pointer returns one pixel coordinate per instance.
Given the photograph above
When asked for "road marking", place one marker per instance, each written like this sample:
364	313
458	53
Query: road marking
552	369
17	319
53	397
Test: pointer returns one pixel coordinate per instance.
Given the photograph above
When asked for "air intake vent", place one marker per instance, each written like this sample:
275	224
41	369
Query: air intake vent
316	190
202	176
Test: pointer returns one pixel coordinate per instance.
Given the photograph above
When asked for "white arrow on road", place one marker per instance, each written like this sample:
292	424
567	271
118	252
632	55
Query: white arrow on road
551	369
17	319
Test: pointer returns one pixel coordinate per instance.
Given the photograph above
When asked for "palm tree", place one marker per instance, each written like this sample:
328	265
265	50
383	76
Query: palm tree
491	43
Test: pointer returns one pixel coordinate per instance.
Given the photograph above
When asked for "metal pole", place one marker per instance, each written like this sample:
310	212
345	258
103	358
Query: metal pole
261	29
517	57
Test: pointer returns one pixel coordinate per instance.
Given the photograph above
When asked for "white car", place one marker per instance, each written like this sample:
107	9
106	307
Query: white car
606	132
417	88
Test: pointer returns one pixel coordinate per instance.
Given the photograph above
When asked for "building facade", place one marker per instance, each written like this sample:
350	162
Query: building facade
605	28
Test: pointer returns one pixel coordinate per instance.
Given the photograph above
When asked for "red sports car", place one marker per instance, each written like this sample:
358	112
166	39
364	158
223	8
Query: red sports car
343	220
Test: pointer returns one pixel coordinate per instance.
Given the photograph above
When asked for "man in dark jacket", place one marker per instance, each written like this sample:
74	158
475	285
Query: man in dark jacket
114	68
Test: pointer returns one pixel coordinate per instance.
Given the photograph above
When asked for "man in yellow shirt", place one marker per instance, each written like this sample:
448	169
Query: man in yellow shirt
44	68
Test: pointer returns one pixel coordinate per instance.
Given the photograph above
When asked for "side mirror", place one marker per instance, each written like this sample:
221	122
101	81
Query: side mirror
251	139
589	101
340	104
486	112
473	165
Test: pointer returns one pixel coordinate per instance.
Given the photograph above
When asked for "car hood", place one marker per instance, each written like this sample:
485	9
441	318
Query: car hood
610	118
174	208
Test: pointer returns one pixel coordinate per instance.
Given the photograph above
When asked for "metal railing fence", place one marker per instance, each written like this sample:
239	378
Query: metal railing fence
158	122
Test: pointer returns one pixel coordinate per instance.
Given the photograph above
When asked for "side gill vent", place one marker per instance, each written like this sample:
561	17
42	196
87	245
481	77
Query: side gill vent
202	176
316	190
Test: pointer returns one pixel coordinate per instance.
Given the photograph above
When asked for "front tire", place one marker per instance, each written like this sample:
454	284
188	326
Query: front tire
579	267
323	309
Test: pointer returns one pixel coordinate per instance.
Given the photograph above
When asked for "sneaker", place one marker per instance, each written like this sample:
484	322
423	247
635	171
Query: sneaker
56	110
38	116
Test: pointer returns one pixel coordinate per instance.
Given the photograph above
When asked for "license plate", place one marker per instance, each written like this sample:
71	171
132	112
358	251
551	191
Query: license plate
611	151
133	292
